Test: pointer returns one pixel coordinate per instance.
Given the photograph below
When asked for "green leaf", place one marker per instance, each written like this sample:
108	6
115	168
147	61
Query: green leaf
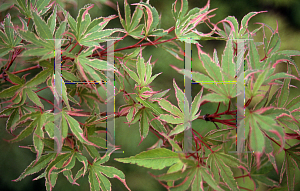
228	66
42	28
253	56
217	166
76	130
168	106
34	97
144	124
9	30
181	99
259	81
92	151
41	4
274	43
36	166
212	97
294	103
10	92
245	20
60	30
59	160
39	78
171	119
131	74
24	133
207	178
284	91
51	22
155	159
136	18
93	180
14	78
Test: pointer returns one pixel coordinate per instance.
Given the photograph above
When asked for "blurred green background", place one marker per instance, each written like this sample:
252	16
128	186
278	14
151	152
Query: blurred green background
13	160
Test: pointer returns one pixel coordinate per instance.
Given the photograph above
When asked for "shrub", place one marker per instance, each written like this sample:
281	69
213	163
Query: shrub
60	138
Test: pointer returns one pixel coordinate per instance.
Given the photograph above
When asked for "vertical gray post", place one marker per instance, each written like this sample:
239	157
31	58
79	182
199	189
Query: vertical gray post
110	103
57	96
240	139
241	94
188	143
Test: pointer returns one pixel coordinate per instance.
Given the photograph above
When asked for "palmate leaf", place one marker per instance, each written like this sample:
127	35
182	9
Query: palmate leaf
259	175
219	164
36	166
290	165
88	32
260	125
178	115
76	129
215	74
38	120
151	21
143	77
97	171
193	178
186	24
88	66
131	25
9	39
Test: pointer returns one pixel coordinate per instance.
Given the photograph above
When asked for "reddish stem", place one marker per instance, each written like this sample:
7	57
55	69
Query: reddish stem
20	71
41	89
74	46
135	46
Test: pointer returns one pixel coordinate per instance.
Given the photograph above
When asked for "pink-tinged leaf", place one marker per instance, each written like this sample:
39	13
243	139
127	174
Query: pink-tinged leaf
76	130
274	43
217	166
284	91
196	103
245	20
171	119
194	22
294	103
257	141
178	129
127	14
60	159
136	18
24	133
144	124
93	180
36	166
182	101
290	171
269	153
149	15
169	107
287	122
210	66
121	19
290	52
83	160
